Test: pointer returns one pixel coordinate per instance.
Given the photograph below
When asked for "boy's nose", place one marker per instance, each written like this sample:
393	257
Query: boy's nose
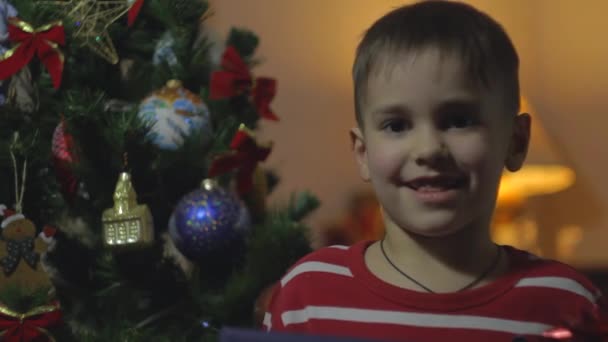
428	146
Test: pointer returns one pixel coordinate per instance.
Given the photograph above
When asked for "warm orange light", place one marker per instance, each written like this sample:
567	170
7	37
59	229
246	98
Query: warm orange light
542	174
534	180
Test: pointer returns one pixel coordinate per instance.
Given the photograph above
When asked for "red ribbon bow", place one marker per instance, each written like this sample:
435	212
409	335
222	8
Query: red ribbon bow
134	11
236	79
43	41
17	327
245	155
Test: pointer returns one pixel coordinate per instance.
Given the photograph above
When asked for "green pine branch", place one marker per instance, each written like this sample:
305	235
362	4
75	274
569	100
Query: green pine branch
140	294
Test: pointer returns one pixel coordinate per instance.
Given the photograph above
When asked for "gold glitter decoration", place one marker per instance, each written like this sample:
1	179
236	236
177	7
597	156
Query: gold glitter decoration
92	19
127	224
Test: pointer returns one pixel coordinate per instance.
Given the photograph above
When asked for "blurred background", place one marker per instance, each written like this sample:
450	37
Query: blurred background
555	207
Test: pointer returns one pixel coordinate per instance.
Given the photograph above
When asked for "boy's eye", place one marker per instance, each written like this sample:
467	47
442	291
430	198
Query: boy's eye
460	121
395	125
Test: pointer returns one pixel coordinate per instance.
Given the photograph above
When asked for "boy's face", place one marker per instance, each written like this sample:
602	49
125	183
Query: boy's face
434	145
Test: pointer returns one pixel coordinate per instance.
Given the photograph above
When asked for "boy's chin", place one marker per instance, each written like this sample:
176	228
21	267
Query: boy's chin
433	230
433	233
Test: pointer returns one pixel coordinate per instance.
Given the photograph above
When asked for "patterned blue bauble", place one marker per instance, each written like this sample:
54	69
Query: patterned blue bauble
209	222
6	11
173	113
164	50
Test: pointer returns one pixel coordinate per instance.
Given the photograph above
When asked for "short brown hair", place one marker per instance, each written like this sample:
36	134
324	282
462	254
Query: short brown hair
450	26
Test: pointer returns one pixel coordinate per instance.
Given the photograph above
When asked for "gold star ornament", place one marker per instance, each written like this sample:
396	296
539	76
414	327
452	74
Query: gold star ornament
92	19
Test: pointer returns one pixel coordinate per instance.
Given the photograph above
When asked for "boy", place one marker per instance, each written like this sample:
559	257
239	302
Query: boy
437	103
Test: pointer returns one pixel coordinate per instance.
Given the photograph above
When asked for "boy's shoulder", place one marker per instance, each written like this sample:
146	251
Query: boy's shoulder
541	273
326	261
331	254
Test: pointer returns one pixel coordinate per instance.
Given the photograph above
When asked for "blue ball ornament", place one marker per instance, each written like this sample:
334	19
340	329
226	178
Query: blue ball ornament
209	222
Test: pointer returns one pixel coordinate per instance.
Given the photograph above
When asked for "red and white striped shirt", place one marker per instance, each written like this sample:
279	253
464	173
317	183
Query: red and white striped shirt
331	292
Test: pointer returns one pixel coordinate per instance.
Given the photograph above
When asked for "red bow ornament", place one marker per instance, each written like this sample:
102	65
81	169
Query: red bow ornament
236	79
29	41
245	155
32	325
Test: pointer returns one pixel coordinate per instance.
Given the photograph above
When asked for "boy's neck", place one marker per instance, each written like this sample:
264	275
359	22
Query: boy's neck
437	262
469	245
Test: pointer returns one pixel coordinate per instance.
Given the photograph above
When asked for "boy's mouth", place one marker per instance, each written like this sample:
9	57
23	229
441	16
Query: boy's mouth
436	183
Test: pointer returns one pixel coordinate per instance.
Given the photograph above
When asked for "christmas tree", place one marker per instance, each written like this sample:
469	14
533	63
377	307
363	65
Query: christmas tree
134	183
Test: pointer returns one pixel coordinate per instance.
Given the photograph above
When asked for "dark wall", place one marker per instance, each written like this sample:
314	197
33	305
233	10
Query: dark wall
599	277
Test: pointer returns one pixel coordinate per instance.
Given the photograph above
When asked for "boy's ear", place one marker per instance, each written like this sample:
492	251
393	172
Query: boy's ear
360	151
520	140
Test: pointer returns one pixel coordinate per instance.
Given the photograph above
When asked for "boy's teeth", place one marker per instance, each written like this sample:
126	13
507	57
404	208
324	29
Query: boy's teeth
428	188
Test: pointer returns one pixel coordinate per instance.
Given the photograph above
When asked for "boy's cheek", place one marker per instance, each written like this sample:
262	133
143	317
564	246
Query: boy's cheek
470	150
383	161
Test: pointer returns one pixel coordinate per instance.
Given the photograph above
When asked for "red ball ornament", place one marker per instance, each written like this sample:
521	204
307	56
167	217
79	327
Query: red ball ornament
63	160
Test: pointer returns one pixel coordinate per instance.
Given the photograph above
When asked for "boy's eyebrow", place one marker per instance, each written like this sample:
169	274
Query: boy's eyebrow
458	105
395	108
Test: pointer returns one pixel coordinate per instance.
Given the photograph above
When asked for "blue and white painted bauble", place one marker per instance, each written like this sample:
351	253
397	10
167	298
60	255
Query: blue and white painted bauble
163	51
174	113
6	11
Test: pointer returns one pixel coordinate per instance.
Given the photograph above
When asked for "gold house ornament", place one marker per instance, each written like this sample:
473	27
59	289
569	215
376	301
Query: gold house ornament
127	224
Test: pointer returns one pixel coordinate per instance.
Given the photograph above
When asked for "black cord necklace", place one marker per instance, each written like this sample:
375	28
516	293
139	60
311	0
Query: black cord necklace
475	282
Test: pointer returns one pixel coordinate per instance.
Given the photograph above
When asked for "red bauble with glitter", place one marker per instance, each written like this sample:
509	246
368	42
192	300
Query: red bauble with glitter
63	160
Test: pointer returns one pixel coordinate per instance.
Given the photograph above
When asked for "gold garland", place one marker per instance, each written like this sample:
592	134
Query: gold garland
33	312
